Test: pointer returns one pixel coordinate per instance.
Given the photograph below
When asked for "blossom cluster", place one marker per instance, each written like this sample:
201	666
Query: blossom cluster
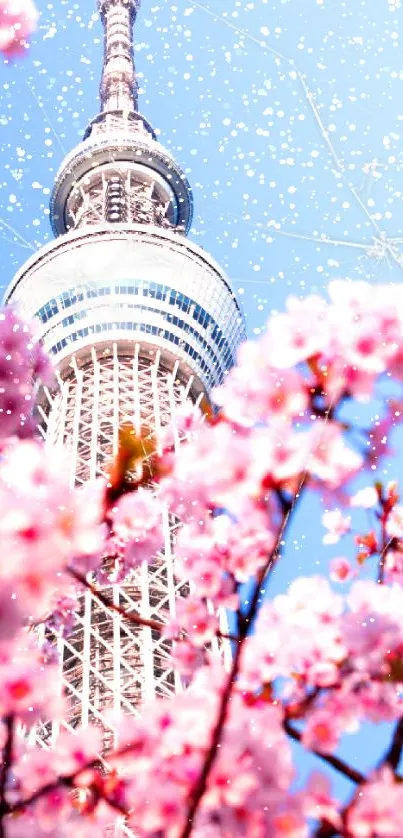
22	360
18	19
346	652
44	525
316	665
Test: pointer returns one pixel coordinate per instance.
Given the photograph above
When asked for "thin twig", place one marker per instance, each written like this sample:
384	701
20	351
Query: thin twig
394	752
335	762
200	787
131	616
386	542
7	759
69	781
244	622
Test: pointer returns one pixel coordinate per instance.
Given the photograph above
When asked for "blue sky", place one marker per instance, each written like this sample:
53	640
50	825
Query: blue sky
288	119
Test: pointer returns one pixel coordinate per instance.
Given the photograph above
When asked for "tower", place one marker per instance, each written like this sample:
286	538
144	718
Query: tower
137	319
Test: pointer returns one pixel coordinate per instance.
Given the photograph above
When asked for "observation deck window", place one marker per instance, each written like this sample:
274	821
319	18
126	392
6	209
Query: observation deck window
148	329
155	291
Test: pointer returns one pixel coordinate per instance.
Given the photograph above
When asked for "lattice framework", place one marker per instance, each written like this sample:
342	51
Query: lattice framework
107	662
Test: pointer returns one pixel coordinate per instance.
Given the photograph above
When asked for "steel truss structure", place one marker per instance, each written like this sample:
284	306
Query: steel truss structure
138	320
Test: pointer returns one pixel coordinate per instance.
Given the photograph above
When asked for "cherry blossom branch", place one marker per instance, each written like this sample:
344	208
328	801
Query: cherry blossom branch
326	830
201	785
394	752
335	762
391	758
68	781
386	542
244	622
5	767
131	616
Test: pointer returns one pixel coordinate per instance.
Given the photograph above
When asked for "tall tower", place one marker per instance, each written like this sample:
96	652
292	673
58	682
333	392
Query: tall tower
137	319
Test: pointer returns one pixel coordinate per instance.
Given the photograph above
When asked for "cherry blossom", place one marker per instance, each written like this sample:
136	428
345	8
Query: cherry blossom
270	394
377	810
44	523
340	569
321	732
309	664
18	20
29	688
193	616
337	525
137	521
365	498
252	775
394	523
319	802
22	359
218	552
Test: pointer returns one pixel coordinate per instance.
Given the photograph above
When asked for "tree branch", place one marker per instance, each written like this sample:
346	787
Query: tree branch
244	622
394	752
335	762
7	758
130	616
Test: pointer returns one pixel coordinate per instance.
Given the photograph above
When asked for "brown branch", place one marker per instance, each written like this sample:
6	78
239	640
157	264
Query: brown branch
386	542
394	752
69	781
335	762
244	622
130	616
326	830
200	787
7	758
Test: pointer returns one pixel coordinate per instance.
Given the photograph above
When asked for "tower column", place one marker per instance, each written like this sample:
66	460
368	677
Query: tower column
118	90
137	319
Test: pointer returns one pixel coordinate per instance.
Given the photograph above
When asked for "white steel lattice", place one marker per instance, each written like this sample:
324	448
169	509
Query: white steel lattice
108	663
138	319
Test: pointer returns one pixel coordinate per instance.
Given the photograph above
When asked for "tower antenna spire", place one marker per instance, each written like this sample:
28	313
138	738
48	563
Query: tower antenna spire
119	87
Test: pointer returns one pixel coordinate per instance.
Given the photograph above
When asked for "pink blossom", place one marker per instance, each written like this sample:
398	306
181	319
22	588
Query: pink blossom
340	569
298	633
220	549
299	334
365	498
12	614
62	617
29	689
194	617
53	817
254	391
249	782
43	523
318	801
321	732
22	360
329	459
394	523
74	751
185	657
378	809
18	20
137	521
186	422
337	525
394	566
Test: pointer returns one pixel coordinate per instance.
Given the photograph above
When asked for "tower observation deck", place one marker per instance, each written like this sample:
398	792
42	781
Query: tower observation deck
137	319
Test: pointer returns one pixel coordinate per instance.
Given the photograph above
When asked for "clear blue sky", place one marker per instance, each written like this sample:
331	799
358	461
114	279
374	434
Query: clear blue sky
287	116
